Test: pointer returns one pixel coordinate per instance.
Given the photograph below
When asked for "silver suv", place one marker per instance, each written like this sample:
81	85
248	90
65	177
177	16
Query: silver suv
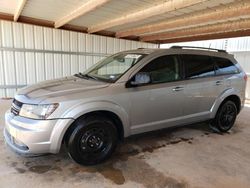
127	93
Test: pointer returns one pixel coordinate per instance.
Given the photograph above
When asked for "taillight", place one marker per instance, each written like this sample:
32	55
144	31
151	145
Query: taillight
245	77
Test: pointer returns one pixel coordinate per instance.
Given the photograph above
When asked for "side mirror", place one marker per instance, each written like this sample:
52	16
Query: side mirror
140	78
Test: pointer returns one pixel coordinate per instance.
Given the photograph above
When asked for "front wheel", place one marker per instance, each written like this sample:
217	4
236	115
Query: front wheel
92	140
225	116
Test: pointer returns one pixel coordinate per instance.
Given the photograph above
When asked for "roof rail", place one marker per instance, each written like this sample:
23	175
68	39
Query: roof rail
203	48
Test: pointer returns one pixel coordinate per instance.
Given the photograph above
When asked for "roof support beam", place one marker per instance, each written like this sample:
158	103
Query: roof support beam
87	7
233	11
238	25
19	9
207	37
159	9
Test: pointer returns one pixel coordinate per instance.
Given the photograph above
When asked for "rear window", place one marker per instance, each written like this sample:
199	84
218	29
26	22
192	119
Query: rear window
198	66
225	66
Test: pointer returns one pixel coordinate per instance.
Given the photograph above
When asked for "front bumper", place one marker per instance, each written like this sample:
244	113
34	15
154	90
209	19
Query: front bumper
33	137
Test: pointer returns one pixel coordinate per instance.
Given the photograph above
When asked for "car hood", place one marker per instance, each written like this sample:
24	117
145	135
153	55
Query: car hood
60	87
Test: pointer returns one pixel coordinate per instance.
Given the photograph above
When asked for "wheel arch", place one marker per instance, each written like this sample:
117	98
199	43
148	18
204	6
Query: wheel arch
111	115
113	111
229	94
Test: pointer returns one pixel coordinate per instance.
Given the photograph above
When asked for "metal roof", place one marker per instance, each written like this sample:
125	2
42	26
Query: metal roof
156	21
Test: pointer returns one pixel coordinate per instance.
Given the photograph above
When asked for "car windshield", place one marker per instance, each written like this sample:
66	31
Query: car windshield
112	68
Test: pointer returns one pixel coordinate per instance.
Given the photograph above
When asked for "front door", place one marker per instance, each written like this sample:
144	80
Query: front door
158	104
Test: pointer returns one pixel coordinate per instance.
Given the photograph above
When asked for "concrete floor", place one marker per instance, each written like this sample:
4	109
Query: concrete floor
182	157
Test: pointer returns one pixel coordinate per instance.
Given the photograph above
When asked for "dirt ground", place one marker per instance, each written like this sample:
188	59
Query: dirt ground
190	156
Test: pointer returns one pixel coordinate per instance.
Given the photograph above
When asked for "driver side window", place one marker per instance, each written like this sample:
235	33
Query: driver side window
163	69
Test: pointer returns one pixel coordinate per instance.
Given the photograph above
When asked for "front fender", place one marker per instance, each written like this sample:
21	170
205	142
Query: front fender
80	109
228	92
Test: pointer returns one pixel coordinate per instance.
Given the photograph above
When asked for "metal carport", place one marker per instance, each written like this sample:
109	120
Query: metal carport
47	39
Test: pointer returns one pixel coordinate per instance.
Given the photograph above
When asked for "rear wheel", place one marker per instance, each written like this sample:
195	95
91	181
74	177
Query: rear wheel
225	116
92	141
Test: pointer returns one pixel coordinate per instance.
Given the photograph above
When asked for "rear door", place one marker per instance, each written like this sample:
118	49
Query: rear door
202	87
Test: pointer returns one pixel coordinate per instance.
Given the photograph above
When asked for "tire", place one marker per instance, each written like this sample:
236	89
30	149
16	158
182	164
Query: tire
226	116
92	140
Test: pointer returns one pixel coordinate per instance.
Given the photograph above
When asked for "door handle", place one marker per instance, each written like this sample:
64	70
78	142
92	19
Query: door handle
178	88
219	82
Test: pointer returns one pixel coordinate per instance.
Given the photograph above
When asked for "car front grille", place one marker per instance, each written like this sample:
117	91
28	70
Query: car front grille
16	107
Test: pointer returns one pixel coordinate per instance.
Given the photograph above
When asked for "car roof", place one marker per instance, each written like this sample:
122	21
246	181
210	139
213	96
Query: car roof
192	50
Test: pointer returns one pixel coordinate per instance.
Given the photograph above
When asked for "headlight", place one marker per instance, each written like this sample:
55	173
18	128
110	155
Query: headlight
37	111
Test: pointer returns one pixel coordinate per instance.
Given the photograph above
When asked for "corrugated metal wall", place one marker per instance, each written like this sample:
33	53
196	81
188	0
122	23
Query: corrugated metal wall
240	47
29	54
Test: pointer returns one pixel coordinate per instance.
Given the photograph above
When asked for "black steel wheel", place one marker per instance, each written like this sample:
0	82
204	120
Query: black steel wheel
92	140
226	116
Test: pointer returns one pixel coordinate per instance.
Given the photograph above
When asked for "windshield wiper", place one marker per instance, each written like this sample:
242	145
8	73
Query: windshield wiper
86	76
80	75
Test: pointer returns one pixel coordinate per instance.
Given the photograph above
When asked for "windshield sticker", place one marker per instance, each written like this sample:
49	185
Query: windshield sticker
133	56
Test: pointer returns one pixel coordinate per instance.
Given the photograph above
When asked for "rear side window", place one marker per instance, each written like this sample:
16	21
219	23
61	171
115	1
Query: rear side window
225	66
198	66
